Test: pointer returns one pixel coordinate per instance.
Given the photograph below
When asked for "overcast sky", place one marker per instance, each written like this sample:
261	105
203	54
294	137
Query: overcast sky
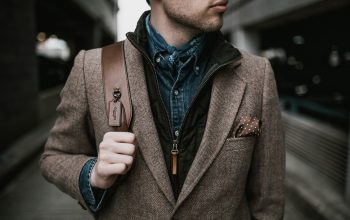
128	15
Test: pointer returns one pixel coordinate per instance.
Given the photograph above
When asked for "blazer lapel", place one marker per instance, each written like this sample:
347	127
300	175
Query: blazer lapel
143	123
227	92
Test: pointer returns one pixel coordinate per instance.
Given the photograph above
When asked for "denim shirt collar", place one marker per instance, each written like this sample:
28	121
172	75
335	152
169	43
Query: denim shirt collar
159	47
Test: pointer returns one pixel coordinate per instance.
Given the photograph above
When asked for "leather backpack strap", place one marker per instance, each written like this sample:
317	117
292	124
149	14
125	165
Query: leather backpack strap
116	87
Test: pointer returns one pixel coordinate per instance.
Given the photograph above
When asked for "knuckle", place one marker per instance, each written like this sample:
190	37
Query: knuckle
129	160
132	149
103	156
132	137
103	145
107	135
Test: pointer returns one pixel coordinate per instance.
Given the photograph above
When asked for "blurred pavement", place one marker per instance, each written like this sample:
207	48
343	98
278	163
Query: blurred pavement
30	196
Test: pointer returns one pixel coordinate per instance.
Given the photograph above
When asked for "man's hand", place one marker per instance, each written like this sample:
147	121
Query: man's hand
116	155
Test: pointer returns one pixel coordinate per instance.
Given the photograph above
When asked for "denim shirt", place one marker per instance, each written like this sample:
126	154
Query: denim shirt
179	72
93	197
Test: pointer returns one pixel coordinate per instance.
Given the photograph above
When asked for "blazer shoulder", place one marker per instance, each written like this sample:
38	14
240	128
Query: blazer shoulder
251	58
90	61
252	67
93	56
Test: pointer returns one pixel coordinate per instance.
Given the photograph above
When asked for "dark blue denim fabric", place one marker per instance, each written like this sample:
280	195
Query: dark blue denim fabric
95	202
179	72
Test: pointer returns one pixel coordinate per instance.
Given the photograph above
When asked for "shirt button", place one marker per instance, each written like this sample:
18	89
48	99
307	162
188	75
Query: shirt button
176	92
158	59
197	68
176	133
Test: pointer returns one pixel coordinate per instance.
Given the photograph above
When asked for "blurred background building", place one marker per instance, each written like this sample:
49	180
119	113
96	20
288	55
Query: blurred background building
307	44
305	40
39	40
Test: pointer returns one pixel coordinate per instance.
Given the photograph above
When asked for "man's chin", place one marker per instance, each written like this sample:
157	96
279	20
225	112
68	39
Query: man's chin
211	27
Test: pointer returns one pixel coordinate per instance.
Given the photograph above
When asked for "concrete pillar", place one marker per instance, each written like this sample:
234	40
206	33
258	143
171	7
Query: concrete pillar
18	75
96	35
246	39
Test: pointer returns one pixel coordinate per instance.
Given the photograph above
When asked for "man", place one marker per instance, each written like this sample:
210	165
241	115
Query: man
206	137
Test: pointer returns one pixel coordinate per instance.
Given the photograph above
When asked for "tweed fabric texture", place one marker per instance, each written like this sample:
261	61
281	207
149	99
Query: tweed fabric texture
230	178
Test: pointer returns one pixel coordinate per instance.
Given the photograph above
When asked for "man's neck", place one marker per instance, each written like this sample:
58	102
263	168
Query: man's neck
174	34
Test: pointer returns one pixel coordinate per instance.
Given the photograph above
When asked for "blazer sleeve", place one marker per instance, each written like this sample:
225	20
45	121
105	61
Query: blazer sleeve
70	143
265	188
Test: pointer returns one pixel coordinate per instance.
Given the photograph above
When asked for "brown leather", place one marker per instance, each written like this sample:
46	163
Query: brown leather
115	79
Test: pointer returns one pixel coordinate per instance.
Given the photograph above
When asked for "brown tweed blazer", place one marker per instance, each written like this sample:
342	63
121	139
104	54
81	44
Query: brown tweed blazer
230	178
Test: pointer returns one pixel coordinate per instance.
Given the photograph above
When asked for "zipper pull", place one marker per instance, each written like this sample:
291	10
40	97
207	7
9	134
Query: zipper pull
115	109
174	153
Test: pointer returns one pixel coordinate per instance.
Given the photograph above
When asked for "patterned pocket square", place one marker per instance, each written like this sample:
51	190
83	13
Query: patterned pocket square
248	126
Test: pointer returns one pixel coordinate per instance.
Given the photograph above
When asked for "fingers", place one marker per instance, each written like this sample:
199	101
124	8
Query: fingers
109	158
116	156
107	170
104	175
119	148
121	137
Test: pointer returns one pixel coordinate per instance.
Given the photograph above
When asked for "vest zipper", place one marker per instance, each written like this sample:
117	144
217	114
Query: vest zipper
175	150
174	153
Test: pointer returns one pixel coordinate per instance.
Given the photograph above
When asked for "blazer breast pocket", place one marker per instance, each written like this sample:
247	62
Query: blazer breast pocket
240	143
246	126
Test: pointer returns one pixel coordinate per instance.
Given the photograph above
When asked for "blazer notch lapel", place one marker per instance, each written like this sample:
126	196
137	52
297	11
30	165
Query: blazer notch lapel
227	94
143	122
